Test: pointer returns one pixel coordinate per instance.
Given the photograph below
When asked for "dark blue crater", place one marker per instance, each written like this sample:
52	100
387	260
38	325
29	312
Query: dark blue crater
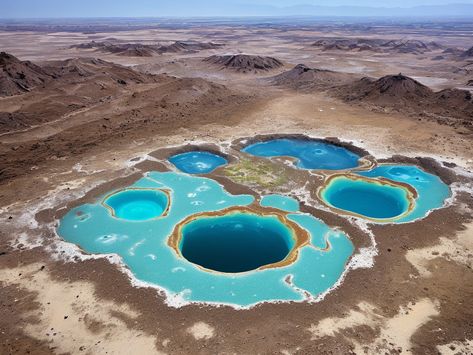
237	242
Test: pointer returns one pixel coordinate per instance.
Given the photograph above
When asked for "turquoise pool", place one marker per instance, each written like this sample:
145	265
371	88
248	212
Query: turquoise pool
282	202
369	198
138	204
189	237
310	154
387	193
144	245
431	191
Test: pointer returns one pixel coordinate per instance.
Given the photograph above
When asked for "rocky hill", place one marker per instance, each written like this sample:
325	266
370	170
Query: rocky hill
80	90
376	45
18	76
468	53
302	77
389	89
146	50
399	93
244	63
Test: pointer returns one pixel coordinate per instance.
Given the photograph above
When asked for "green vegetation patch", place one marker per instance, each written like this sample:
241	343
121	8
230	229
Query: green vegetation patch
261	173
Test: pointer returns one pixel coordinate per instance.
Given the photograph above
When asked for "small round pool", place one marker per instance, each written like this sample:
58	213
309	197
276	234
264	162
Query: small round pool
236	242
197	162
138	204
310	154
369	198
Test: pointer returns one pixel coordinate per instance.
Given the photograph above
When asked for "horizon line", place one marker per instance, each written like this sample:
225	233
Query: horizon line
465	16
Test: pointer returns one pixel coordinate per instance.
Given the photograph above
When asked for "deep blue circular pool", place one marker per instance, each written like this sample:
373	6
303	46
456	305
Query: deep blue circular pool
237	242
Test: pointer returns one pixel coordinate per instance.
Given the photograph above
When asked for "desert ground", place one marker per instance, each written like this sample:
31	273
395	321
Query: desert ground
88	107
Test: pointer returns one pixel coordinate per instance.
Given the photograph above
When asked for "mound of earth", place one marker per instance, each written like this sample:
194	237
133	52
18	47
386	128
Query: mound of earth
67	86
400	93
302	77
125	49
411	46
18	76
388	89
88	101
348	44
78	116
468	53
93	45
180	46
76	68
146	50
458	99
12	121
245	63
376	45
466	69
453	51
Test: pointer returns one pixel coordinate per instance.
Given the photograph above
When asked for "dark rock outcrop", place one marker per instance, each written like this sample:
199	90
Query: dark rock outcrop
402	94
468	53
146	50
245	63
303	77
18	76
376	45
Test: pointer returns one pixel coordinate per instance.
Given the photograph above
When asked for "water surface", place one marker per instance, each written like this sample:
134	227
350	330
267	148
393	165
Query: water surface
236	242
143	246
431	190
310	154
197	162
284	203
137	204
367	198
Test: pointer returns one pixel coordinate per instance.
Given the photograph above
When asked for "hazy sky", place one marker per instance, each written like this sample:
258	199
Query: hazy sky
130	8
377	3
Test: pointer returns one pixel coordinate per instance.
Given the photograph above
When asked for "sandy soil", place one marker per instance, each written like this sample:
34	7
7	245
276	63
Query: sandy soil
416	297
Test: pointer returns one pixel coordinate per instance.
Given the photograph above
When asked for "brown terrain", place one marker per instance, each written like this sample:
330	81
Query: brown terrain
376	45
403	94
467	54
19	76
80	119
397	93
146	50
301	77
245	63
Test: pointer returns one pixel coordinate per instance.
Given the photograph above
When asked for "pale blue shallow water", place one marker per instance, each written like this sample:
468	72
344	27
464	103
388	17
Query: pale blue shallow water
310	154
197	162
284	203
143	247
138	205
432	191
